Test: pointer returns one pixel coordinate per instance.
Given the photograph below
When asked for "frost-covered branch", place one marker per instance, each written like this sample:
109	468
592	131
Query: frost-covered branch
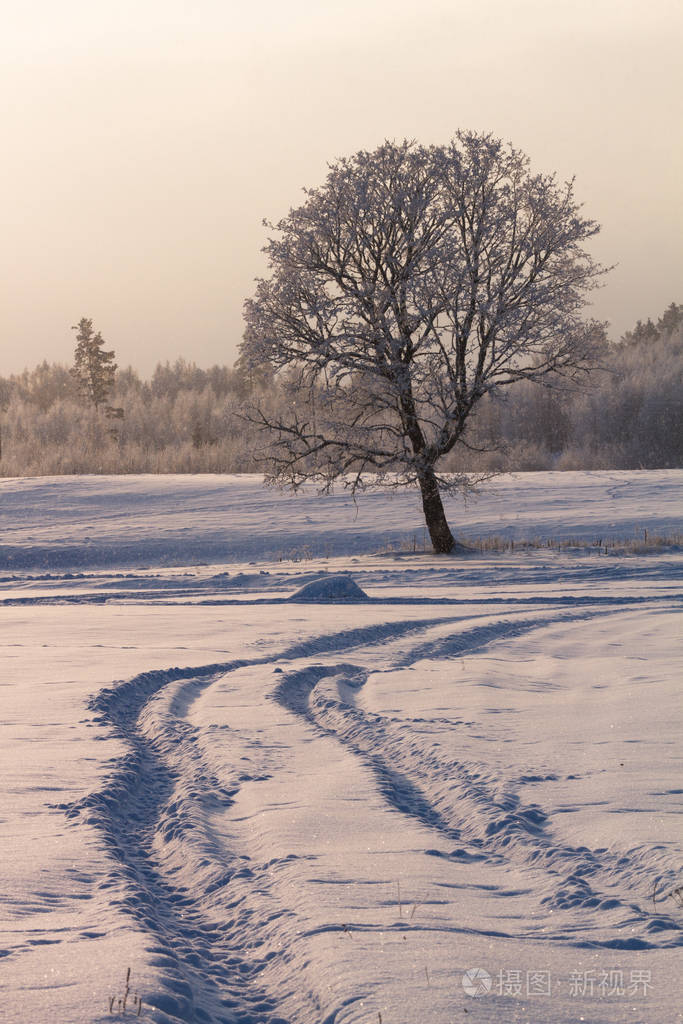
405	289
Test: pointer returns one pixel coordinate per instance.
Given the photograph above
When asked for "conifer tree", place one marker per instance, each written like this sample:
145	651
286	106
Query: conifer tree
93	368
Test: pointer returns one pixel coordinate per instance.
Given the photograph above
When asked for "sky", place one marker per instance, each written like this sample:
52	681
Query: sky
145	142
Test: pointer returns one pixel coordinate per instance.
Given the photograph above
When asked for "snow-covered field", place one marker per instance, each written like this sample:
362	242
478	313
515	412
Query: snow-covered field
284	766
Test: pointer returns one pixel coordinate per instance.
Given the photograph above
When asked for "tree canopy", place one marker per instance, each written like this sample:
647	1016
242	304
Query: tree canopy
412	283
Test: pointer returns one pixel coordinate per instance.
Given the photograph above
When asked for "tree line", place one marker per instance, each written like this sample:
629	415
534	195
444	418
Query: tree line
184	419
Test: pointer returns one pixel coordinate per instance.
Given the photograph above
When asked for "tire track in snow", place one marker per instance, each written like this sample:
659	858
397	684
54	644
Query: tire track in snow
152	816
471	811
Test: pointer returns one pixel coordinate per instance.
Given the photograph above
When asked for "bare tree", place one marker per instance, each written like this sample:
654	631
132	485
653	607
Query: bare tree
416	280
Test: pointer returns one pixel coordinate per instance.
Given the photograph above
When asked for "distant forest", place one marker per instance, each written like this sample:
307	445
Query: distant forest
188	420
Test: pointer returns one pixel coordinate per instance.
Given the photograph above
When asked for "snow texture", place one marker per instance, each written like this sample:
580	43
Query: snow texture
330	589
342	789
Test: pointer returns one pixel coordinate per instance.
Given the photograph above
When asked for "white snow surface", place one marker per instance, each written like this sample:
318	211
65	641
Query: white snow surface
334	589
85	522
285	766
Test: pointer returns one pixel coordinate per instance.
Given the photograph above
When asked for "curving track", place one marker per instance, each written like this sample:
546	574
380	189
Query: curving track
241	898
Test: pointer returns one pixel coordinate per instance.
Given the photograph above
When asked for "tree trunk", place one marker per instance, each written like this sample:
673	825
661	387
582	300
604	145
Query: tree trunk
440	535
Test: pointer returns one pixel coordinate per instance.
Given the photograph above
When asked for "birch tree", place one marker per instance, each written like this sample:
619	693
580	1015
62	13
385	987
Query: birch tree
412	283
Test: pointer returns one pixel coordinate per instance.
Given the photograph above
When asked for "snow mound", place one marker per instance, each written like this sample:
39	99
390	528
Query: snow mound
330	589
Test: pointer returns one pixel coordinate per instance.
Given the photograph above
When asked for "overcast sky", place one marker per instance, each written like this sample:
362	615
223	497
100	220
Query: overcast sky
144	142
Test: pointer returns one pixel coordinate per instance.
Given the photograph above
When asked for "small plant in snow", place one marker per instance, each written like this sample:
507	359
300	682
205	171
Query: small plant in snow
120	1004
675	894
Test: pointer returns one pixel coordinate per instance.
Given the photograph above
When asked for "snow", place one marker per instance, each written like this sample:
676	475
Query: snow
324	788
75	523
335	589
